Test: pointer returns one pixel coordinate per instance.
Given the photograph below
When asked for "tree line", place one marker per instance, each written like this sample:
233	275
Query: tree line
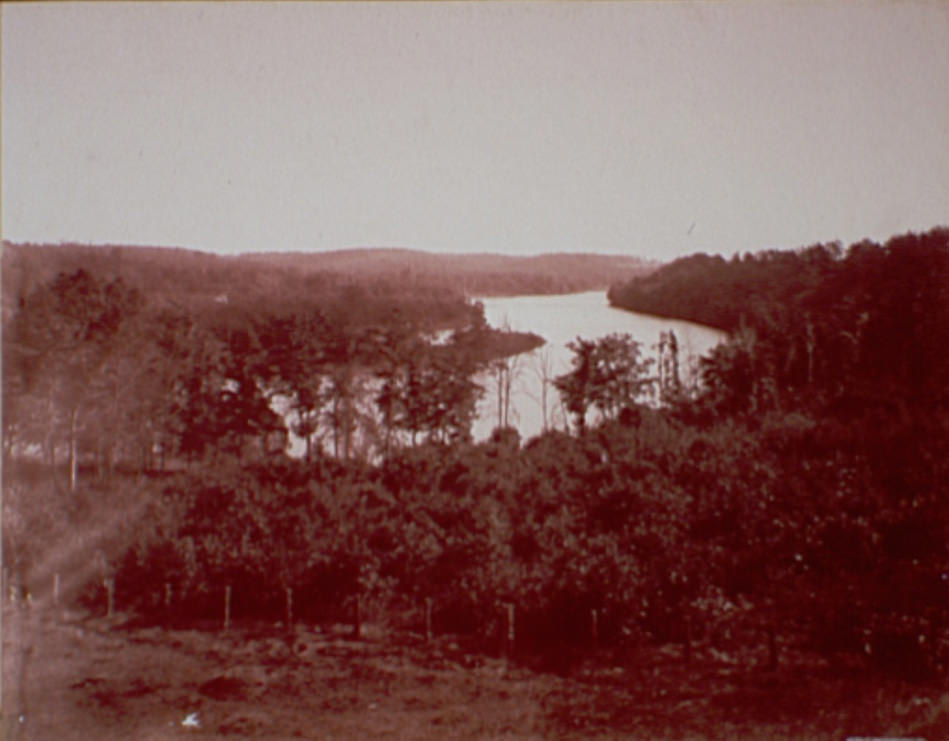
870	320
417	281
97	372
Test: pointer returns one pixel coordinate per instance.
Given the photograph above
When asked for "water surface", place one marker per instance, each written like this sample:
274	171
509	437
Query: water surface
560	319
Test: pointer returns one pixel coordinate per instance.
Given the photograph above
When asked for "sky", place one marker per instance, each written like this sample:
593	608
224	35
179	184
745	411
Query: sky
648	129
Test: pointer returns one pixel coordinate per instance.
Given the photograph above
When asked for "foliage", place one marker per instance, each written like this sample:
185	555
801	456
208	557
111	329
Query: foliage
608	374
800	491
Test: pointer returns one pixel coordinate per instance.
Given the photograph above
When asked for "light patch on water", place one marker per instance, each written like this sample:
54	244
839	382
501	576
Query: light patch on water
560	319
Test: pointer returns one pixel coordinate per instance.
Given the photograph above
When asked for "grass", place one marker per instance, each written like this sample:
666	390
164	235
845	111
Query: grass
71	676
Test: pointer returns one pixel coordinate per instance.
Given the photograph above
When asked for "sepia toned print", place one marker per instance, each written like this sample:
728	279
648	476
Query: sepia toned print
475	370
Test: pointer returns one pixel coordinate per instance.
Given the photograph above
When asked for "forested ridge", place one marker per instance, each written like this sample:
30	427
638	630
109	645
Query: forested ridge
867	322
480	274
186	276
792	504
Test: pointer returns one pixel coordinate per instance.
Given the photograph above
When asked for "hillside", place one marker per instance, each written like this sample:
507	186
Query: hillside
188	276
481	274
772	286
871	318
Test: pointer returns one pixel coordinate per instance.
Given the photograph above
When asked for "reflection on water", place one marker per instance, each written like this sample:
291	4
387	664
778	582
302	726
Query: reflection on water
560	319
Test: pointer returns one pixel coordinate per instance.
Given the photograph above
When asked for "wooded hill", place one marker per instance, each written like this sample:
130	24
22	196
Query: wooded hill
476	274
187	277
868	321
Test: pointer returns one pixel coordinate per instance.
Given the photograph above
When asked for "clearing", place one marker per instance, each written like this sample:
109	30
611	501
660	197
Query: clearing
67	675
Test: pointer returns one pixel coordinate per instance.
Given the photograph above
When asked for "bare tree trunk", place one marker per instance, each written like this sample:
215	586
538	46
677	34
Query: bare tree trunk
500	395
662	364
507	397
543	403
506	370
544	372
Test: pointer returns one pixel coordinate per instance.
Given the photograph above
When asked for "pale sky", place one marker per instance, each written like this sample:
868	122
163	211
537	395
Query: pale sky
654	130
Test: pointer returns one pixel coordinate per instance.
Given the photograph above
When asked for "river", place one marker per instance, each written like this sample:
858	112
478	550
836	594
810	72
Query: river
560	319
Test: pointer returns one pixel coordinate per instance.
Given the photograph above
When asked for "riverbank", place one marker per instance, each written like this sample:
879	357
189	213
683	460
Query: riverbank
498	343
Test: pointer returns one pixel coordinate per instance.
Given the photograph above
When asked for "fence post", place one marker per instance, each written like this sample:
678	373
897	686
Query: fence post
227	608
688	638
356	622
289	591
511	635
428	619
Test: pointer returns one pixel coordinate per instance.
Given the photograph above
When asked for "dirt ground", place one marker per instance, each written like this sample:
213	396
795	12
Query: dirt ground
69	676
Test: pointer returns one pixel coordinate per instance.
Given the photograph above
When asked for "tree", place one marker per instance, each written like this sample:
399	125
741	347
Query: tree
576	387
670	385
505	372
349	353
219	403
295	365
621	374
428	391
739	376
71	329
454	395
542	366
608	374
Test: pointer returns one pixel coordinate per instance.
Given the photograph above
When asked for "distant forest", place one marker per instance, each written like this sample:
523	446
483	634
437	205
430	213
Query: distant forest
187	277
791	504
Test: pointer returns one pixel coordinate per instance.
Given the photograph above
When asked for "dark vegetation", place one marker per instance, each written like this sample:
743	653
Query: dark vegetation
473	274
420	282
792	507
